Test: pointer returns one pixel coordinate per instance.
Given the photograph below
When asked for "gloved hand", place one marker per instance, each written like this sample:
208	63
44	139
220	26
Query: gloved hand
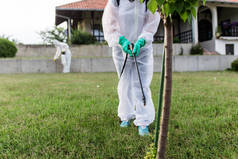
138	45
125	45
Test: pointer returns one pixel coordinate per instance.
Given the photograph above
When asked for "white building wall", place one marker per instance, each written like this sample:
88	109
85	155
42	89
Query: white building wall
221	46
208	45
185	26
160	30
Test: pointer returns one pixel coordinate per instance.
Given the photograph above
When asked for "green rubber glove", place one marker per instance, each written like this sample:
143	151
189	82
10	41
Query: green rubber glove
138	45
125	45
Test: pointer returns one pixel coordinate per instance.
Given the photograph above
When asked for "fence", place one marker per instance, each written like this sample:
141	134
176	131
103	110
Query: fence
234	31
105	64
42	51
183	37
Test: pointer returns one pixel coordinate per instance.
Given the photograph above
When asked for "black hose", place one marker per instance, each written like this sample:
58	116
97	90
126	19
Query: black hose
124	65
137	68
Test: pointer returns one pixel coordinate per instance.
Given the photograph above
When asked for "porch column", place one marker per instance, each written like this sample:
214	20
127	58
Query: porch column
69	30
195	28
214	21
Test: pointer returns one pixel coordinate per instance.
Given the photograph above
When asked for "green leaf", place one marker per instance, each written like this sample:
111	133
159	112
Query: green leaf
194	3
152	5
166	9
184	16
185	8
194	12
179	6
160	2
141	1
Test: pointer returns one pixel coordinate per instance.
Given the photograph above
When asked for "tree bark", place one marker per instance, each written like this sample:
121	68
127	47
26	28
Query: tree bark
168	44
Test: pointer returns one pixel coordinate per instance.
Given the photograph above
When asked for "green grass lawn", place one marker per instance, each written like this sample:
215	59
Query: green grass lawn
75	116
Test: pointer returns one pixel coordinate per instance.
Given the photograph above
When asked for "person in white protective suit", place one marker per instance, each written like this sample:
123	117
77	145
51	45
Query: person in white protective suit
124	23
62	49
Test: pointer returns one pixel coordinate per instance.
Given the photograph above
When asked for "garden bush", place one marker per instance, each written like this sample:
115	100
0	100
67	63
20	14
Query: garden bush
234	65
80	37
196	50
176	40
7	48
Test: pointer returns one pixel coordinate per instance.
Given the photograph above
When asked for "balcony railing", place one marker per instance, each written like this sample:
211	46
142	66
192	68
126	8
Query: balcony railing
184	37
159	39
234	31
229	29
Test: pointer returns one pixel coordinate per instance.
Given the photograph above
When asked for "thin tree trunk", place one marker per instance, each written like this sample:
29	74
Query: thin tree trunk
168	43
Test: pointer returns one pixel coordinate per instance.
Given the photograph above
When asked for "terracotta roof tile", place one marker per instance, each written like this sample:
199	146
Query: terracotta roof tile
229	0
86	4
224	1
100	4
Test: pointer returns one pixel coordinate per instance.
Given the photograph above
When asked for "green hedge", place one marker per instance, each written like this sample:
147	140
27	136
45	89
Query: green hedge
234	65
196	50
80	37
7	48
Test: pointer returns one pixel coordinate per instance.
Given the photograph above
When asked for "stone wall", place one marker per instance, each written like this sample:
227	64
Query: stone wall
48	51
105	64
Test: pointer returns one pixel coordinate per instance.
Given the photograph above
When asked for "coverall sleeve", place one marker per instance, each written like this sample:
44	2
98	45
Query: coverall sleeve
150	26
110	24
58	53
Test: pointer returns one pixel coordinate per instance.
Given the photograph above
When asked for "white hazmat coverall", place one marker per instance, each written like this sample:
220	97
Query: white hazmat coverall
62	49
133	21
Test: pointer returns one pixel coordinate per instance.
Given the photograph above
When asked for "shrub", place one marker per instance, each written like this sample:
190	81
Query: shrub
80	37
234	65
15	41
151	152
7	48
196	50
181	51
176	40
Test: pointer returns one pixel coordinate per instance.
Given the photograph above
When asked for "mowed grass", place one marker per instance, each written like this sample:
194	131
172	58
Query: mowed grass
75	116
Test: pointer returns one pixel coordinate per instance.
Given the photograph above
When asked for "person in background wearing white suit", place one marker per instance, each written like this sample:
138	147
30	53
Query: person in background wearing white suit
62	49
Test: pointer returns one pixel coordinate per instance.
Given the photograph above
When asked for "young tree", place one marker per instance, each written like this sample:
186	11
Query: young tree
186	9
57	33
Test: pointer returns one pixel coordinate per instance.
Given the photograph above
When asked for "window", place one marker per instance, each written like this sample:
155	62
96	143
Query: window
98	32
229	49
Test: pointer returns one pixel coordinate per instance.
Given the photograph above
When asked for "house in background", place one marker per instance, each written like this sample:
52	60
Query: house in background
86	15
215	28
